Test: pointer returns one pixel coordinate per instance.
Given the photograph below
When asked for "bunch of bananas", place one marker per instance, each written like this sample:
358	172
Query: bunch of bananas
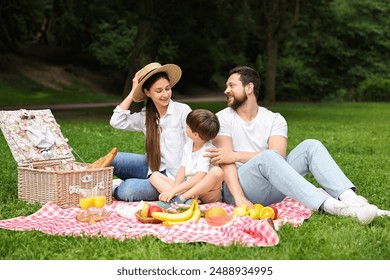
170	219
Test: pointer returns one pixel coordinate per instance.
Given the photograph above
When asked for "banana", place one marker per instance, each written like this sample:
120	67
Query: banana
195	217
176	217
145	209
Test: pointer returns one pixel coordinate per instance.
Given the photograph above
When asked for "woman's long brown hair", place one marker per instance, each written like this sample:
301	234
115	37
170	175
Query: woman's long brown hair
153	152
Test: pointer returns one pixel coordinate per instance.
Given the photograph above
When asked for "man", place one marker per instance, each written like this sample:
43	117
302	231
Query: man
251	150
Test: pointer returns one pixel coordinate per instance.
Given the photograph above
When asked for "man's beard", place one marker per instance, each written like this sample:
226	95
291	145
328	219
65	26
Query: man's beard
237	102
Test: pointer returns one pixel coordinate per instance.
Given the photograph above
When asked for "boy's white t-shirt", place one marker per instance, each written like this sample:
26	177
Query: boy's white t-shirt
195	161
251	136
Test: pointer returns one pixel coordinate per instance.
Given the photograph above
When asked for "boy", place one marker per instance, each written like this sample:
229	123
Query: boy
196	176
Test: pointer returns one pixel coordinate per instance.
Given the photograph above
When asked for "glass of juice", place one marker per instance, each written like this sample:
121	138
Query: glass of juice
86	202
100	201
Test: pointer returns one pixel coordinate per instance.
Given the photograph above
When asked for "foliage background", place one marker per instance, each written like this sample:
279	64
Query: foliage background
333	50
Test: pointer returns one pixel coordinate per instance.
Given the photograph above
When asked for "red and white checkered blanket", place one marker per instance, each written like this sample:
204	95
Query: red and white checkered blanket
245	231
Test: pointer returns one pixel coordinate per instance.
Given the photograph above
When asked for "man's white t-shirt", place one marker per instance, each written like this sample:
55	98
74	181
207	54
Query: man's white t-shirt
251	136
195	161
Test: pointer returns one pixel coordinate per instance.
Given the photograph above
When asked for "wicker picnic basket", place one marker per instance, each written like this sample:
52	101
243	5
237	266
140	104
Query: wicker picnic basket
47	170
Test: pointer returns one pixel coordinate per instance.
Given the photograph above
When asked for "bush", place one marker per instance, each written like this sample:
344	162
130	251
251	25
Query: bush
374	89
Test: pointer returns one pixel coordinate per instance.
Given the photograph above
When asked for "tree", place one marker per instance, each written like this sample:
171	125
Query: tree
144	48
280	17
20	22
345	43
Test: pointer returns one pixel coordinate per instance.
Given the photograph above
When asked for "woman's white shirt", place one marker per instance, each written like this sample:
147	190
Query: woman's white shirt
173	136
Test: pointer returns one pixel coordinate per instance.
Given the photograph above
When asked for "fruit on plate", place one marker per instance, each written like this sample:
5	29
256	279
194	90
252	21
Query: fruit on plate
241	210
170	219
154	209
195	216
145	210
163	216
220	221
267	212
146	220
215	211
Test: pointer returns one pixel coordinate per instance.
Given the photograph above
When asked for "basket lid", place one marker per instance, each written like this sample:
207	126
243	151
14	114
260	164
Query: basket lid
34	136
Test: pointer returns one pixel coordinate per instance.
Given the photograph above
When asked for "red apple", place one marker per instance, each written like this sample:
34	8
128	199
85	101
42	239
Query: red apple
154	208
275	211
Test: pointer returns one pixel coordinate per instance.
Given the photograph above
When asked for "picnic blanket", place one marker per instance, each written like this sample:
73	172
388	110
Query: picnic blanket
51	219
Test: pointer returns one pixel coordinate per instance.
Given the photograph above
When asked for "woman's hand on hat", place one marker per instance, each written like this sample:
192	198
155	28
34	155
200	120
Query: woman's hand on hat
136	79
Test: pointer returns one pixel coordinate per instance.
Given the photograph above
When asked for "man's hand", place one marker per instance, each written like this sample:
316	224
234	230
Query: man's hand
220	155
242	200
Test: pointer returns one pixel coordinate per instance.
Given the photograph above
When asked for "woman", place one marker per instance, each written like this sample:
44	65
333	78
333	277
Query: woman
162	120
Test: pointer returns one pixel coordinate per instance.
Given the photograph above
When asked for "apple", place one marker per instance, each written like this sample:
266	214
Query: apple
253	213
241	210
154	208
275	211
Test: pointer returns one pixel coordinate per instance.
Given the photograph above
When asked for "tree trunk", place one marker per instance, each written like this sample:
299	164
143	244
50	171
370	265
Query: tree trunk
281	16
144	51
272	55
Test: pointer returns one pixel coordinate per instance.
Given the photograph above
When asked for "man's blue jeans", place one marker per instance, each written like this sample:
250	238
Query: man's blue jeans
133	170
268	178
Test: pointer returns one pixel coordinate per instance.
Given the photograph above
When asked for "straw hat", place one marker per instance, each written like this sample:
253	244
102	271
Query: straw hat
173	71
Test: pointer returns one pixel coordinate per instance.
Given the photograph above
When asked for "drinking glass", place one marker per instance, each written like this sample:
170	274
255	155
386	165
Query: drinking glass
86	202
100	201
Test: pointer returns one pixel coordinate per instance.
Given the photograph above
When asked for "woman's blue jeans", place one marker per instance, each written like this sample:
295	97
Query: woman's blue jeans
268	178
133	170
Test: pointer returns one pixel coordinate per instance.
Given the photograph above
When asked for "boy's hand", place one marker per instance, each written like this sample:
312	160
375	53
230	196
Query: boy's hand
166	196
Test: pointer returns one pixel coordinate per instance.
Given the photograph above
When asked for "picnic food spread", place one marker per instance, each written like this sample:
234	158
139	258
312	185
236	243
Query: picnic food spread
145	214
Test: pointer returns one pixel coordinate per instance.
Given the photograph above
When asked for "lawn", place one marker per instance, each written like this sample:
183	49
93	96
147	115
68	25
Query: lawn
357	135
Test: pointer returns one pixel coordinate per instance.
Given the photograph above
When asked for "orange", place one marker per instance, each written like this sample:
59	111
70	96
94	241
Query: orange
215	211
267	212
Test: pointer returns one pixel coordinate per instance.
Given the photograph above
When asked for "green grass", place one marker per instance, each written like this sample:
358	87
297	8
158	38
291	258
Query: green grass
12	92
357	135
65	87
